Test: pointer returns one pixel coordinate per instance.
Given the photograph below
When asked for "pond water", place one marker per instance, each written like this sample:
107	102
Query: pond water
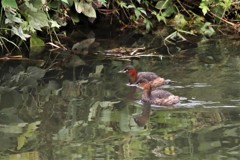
90	112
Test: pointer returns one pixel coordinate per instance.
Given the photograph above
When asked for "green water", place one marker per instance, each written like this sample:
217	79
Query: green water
97	116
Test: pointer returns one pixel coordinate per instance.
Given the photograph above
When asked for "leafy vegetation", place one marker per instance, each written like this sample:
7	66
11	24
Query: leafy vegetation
23	20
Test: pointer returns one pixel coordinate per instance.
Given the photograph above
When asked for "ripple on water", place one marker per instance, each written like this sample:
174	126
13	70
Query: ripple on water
189	104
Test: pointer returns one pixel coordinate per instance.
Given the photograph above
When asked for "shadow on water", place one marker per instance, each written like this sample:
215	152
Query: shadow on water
90	113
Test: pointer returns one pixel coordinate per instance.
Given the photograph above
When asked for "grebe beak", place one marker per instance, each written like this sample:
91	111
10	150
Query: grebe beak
122	71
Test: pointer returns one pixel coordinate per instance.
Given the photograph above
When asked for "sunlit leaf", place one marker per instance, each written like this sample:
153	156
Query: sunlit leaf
162	4
89	11
78	6
204	7
161	18
122	4
54	24
137	13
85	8
226	4
207	29
9	3
19	32
65	1
12	18
131	6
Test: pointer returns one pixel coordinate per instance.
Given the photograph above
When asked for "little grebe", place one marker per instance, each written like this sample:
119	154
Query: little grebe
158	97
152	77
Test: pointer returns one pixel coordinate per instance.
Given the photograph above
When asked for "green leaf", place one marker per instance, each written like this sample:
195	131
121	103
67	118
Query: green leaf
131	6
9	3
35	41
137	13
148	24
162	4
207	29
85	8
12	18
226	4
122	4
180	20
204	7
36	20
161	18
78	6
54	24
65	1
31	7
19	32
89	11
169	11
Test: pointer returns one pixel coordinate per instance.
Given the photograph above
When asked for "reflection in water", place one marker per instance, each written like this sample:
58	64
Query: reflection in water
92	117
142	118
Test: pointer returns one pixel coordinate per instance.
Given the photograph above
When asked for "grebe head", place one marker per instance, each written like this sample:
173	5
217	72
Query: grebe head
143	84
132	73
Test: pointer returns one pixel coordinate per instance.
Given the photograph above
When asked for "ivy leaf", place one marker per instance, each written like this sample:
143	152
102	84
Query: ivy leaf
54	24
89	11
65	1
180	20
131	6
137	13
31	7
161	18
169	11
35	41
122	4
162	5
204	7
12	18
148	24
85	8
19	32
78	6
9	3
36	20
207	29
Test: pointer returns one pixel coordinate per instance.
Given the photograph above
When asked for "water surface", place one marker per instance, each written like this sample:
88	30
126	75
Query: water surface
90	113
